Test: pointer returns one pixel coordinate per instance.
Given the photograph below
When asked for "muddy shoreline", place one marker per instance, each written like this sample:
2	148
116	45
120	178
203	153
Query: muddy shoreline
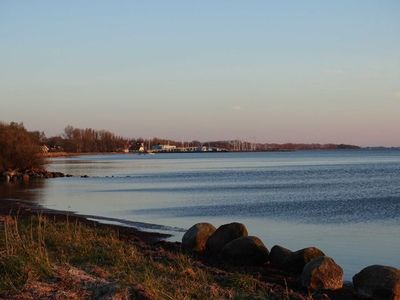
26	209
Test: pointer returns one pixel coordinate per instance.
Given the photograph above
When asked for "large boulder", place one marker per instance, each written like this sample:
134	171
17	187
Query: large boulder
223	235
378	282
196	237
322	273
247	250
297	260
279	256
290	261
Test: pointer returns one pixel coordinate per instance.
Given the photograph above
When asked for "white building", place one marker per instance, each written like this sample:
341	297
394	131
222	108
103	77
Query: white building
166	148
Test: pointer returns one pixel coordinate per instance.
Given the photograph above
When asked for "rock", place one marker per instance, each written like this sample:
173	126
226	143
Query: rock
223	235
321	296
58	174
247	250
278	256
297	260
322	273
196	237
378	282
290	261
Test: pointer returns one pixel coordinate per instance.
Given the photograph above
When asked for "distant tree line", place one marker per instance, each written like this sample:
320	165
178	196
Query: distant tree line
238	145
79	140
20	149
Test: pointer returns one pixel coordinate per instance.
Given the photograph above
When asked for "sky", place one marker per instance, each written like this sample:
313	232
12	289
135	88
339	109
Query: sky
307	71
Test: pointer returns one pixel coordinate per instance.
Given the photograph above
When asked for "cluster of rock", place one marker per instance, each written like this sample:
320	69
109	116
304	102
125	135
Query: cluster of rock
232	244
25	176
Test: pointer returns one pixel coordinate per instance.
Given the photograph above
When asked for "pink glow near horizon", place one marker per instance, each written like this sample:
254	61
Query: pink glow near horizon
315	72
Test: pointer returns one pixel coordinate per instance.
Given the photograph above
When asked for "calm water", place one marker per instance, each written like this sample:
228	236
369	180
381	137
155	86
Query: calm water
345	202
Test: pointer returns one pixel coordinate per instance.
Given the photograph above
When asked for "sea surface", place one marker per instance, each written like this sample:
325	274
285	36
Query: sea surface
346	202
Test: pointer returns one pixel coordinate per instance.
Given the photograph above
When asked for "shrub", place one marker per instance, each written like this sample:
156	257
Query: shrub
19	149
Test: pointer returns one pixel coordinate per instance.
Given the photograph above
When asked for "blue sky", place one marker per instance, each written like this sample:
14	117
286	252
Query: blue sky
266	71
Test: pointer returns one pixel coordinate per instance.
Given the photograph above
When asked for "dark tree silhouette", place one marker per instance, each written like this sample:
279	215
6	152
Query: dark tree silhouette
78	140
19	149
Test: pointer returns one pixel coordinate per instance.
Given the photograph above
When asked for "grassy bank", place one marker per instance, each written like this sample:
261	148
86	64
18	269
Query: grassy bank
47	258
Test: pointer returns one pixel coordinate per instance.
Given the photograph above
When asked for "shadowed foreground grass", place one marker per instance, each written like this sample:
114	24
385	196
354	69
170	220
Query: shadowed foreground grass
39	257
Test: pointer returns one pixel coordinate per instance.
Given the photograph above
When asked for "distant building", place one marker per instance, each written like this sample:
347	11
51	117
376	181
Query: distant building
166	148
44	149
126	148
141	147
137	147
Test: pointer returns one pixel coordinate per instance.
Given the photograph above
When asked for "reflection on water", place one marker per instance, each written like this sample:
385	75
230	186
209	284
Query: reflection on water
345	202
32	191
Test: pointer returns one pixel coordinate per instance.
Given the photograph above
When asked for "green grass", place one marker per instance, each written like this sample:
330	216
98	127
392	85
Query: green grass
32	249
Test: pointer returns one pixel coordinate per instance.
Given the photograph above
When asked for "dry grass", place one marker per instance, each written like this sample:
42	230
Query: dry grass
40	250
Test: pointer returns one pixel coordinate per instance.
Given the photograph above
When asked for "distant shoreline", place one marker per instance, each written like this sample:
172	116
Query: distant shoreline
72	154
